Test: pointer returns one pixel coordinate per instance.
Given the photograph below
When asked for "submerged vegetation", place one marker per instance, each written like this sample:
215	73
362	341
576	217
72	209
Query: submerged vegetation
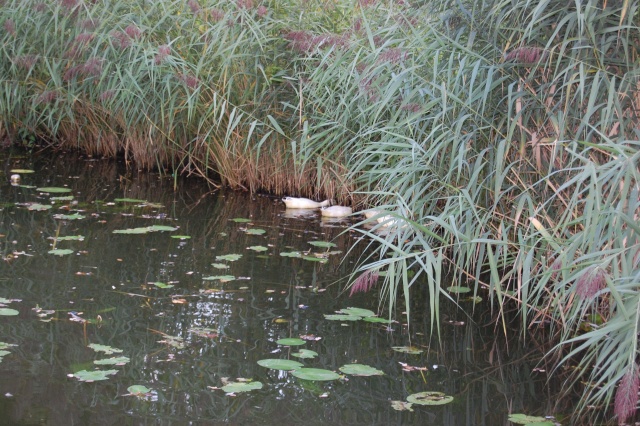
498	140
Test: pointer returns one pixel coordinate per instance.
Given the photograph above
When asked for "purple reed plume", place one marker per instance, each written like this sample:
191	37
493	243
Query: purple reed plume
194	6
627	395
591	282
364	282
47	97
163	52
10	27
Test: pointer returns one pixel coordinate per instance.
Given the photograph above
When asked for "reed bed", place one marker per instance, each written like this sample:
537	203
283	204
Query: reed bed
501	138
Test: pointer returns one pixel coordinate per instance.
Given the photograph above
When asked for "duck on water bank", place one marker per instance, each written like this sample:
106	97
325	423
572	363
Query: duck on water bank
304	203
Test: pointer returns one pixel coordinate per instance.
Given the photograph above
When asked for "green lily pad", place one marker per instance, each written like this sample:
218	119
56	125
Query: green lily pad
357	312
377	320
221	278
324	244
523	419
104	348
237	387
220	265
315	374
129	200
181	237
255	231
162	228
229	257
94	375
8	312
75	216
360	370
458	289
138	390
429	398
280	364
341	317
53	189
240	220
120	360
23	171
4	345
407	350
162	285
70	238
258	248
305	353
144	230
315	259
401	406
38	207
291	254
3	353
291	341
63	198
60	252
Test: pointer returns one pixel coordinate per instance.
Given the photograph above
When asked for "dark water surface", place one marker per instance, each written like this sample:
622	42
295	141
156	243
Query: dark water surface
110	276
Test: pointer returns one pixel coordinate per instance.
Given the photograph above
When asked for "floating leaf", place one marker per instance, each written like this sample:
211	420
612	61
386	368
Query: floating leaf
341	317
237	387
23	171
129	200
229	257
162	228
258	248
38	207
104	348
53	189
305	353
95	375
280	364
255	231
291	341
75	216
291	254
401	406
175	341
429	398
120	360
240	220
144	230
523	419
3	353
204	332
325	244
316	374
220	265
181	237
4	345
377	320
458	289
360	370
8	312
315	259
221	278
70	238
60	252
138	390
63	198
162	285
412	350
357	312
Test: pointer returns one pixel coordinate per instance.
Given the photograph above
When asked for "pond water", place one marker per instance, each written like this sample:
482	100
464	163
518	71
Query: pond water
190	315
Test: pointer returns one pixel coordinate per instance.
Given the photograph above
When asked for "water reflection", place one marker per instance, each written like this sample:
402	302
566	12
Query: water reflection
186	340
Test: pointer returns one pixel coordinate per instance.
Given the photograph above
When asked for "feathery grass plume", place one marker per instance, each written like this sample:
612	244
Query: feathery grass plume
92	67
626	399
244	4
194	6
10	26
69	4
47	97
393	56
191	81
26	62
39	7
133	31
216	15
364	282
527	55
163	52
88	24
107	95
261	11
591	282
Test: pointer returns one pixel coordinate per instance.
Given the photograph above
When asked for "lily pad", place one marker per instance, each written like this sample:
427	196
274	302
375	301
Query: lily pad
104	348
229	257
324	244
401	406
181	237
129	200
94	375
240	220
120	360
62	198
377	320
70	238
53	190
258	248
23	171
162	285
429	398
138	390
412	350
291	341
458	289
255	231
144	230
291	254
39	207
162	228
315	259
8	312
523	419
221	278
60	252
315	374
341	317
305	353
357	312
220	265
360	370
237	387
280	364
75	216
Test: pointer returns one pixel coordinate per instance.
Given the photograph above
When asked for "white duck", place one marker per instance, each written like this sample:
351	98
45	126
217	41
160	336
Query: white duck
336	211
304	203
